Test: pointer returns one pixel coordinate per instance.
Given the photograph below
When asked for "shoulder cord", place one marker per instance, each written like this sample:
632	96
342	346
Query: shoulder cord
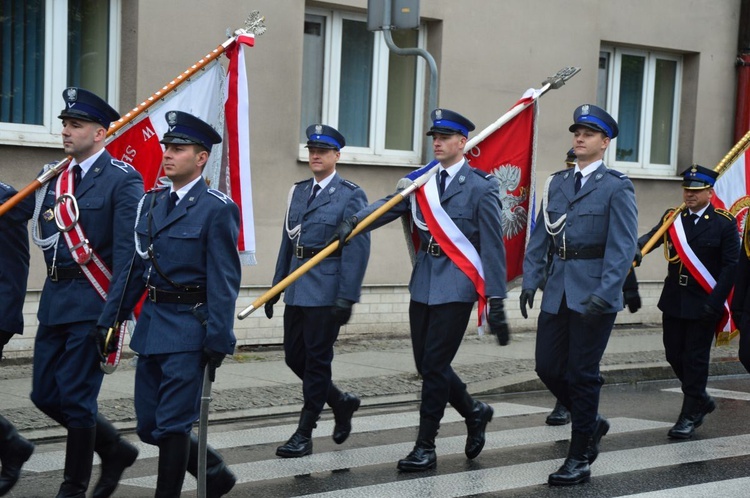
558	226
51	241
292	233
417	222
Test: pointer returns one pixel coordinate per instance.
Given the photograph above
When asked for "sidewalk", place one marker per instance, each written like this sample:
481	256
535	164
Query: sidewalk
379	370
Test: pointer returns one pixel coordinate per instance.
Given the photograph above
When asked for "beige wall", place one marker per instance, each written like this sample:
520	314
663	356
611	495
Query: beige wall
488	52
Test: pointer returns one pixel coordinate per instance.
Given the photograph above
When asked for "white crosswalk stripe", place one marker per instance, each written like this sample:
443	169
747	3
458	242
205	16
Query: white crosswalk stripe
729	487
717	393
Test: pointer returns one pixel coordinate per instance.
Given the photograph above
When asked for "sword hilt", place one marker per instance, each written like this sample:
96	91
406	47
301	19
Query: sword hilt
111	335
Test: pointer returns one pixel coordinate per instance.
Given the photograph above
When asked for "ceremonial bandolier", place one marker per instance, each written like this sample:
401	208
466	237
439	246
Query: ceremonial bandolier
741	299
319	302
187	259
701	248
81	221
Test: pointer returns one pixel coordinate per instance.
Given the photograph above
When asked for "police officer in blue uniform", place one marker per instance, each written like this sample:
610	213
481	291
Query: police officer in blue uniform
14	272
689	313
319	302
741	300
588	219
67	375
190	267
442	295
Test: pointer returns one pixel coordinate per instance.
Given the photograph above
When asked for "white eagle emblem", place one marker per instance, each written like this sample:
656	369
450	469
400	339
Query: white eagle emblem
514	216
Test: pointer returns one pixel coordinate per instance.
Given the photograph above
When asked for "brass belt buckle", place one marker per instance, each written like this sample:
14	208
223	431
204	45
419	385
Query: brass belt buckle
683	280
299	251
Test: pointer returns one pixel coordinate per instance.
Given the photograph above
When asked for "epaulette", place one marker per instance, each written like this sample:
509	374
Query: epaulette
349	184
219	195
621	176
562	171
5	186
726	214
158	188
481	173
127	168
304	181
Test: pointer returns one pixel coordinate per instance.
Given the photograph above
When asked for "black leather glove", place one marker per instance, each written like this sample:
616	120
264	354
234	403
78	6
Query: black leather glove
99	335
498	323
213	359
710	315
638	257
268	307
342	311
527	297
595	307
343	231
632	299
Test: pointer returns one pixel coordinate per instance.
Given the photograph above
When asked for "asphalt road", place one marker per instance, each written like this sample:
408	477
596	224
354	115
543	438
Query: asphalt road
637	459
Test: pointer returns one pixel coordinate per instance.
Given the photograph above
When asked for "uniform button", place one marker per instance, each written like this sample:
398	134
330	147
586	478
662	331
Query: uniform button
305	218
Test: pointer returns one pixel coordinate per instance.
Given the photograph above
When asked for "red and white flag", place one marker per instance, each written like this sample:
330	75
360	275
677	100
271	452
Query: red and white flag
221	100
732	189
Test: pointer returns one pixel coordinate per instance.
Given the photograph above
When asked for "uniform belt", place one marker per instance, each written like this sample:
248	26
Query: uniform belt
582	253
432	248
302	252
56	273
172	297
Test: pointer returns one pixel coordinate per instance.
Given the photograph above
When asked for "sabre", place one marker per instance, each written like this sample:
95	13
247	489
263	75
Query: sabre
739	148
254	24
203	432
398	197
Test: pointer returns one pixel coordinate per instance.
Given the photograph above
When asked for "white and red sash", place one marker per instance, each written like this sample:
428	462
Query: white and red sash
699	272
96	271
451	240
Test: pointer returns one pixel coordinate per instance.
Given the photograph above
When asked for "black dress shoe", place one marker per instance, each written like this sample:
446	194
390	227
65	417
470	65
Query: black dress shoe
421	458
476	425
559	415
342	413
575	469
601	430
707	407
14	454
122	455
683	429
297	446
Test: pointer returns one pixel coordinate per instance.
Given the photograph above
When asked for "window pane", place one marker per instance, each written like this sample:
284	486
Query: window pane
629	114
402	80
22	61
313	60
664	95
88	45
356	82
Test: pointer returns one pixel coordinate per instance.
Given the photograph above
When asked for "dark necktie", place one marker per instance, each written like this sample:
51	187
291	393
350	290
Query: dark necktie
76	176
692	218
579	176
314	194
443	177
173	198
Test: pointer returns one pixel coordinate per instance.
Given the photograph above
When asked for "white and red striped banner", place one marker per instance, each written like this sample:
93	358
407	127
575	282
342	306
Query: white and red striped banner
732	189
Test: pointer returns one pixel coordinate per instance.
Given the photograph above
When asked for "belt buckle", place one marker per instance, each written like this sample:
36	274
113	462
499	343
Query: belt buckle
52	274
299	252
152	293
683	280
561	253
433	250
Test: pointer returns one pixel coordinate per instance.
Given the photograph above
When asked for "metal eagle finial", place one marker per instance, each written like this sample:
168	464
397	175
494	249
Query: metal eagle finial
255	23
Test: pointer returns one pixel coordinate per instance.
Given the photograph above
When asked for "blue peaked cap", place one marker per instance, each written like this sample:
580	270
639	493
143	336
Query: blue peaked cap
595	118
82	104
185	128
697	177
449	123
320	136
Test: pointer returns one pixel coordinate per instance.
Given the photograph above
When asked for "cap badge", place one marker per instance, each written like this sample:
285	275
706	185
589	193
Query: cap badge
584	109
72	94
172	118
438	114
318	129
693	169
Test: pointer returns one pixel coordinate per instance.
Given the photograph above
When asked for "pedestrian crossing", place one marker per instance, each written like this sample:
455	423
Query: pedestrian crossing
520	452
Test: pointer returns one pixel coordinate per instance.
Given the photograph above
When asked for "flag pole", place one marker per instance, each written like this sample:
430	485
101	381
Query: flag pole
729	159
253	24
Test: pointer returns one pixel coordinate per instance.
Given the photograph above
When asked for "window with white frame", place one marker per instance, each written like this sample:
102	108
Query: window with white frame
641	89
351	81
46	46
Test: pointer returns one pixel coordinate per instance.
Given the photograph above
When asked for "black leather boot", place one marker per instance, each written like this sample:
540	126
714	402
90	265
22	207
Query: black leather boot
174	452
423	456
684	428
575	469
601	430
219	478
704	408
300	444
476	424
79	458
15	450
343	406
559	415
116	454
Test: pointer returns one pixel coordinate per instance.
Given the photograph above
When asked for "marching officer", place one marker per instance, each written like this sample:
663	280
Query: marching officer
741	299
92	202
320	301
442	295
15	450
188	261
589	219
701	245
